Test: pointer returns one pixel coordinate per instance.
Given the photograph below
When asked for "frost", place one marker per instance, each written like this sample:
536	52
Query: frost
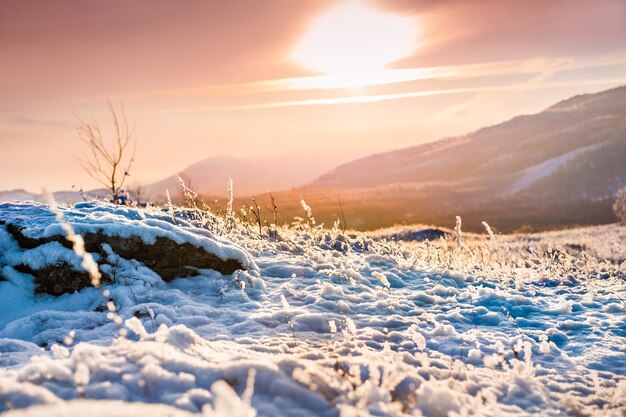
382	278
333	326
417	337
351	326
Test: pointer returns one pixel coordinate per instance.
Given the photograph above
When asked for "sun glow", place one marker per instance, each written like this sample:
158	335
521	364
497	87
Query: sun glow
355	40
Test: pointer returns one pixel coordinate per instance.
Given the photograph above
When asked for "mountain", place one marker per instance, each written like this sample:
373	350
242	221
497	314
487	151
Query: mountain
555	169
558	168
576	148
250	175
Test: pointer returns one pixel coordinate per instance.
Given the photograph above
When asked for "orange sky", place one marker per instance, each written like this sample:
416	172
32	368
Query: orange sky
203	78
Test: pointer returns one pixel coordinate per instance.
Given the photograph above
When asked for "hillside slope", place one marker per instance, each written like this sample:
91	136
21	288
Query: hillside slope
250	175
573	149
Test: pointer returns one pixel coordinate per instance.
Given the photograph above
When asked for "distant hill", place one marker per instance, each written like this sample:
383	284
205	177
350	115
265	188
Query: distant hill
574	149
554	169
250	175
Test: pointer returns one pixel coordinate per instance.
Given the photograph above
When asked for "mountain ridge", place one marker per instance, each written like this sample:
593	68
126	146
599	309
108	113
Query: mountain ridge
210	175
495	157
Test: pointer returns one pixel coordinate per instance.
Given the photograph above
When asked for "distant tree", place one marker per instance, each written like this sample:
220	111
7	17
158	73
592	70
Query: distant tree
619	206
108	160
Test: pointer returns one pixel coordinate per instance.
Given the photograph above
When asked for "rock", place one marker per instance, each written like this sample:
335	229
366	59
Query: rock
420	235
165	257
58	279
171	250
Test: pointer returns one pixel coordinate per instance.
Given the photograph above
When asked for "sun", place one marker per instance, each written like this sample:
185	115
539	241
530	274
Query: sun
355	39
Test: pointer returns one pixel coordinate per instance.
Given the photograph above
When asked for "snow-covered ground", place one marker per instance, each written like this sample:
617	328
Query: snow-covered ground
324	324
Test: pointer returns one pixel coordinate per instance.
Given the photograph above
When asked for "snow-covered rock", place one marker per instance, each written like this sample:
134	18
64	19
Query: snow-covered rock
35	243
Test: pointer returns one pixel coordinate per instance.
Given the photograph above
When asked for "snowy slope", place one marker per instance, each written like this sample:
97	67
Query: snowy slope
337	325
531	175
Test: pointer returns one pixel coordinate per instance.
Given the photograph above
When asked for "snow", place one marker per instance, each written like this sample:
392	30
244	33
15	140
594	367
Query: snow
533	174
493	327
61	197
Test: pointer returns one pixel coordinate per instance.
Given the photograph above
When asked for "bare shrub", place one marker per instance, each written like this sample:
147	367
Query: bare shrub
619	206
108	159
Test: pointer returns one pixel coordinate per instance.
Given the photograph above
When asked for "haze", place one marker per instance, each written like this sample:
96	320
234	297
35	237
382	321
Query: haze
311	79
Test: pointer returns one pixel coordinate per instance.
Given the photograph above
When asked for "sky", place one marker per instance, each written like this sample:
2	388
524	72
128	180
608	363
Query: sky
322	81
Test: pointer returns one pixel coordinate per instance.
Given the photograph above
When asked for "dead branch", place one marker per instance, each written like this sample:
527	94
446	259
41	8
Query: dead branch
108	159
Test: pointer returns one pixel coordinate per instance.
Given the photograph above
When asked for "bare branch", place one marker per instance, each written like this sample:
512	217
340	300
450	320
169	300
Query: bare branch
107	161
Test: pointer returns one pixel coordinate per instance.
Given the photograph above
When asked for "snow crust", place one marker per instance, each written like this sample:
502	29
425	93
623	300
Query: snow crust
362	328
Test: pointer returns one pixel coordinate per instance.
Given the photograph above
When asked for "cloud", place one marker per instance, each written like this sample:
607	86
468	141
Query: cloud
27	121
362	99
371	78
541	69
